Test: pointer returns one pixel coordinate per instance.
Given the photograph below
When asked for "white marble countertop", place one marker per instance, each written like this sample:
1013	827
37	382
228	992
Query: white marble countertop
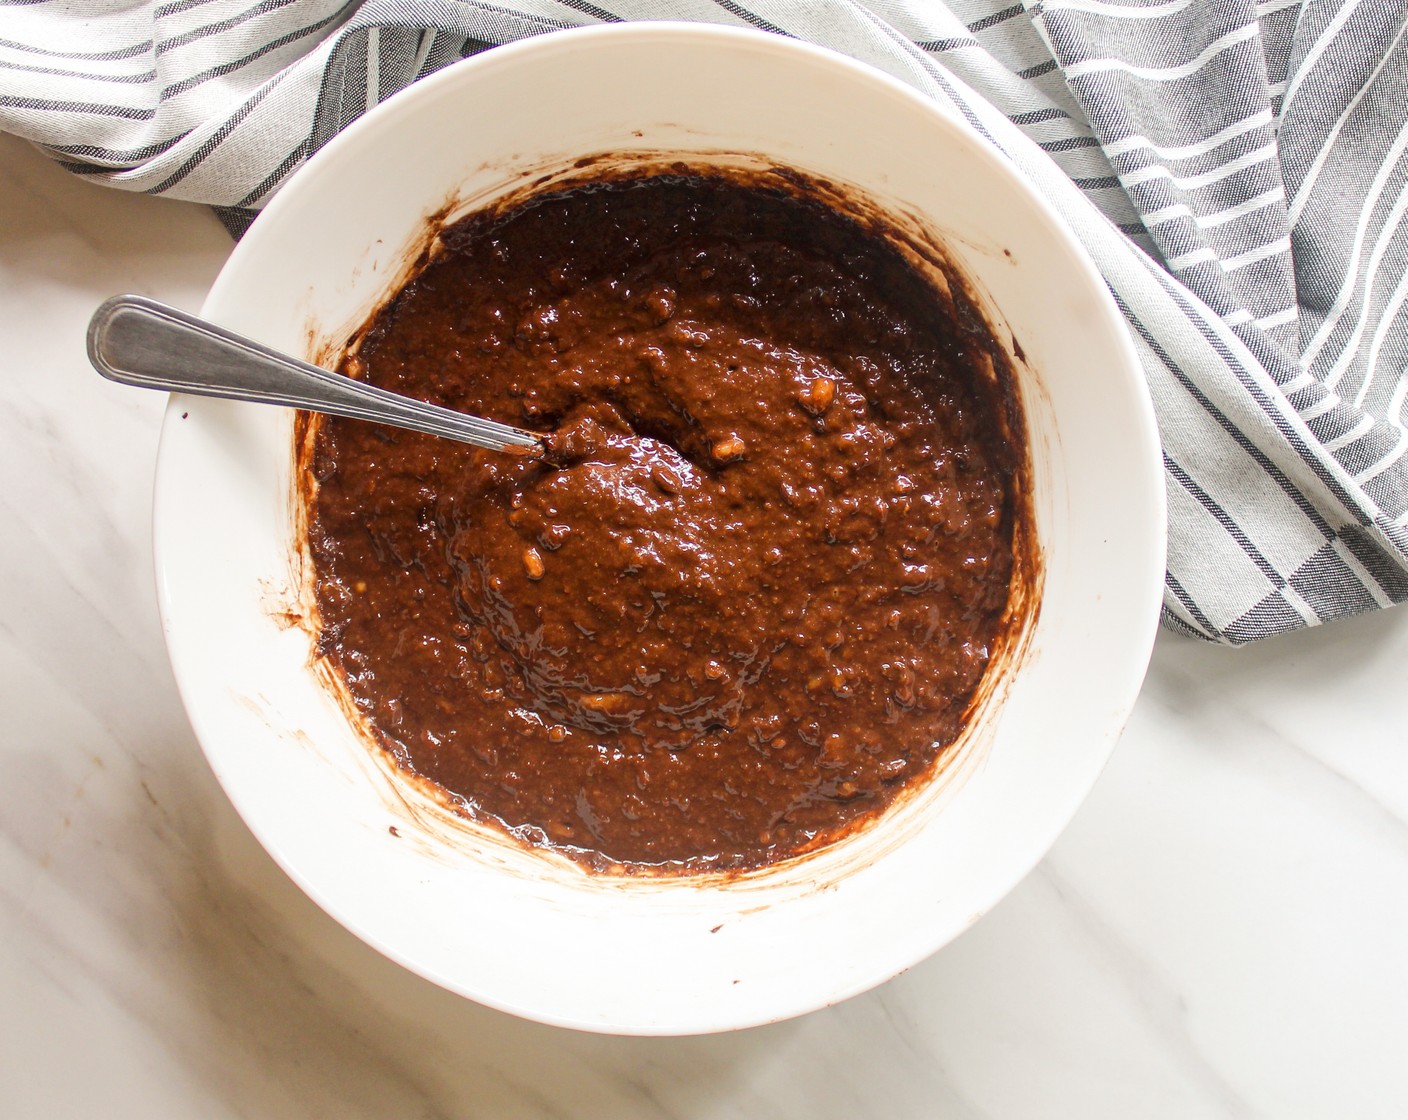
1222	931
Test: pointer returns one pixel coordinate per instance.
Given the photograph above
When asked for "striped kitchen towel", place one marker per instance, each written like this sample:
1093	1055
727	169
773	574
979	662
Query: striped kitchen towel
1238	171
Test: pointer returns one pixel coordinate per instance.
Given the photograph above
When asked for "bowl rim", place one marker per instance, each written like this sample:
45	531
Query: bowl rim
645	33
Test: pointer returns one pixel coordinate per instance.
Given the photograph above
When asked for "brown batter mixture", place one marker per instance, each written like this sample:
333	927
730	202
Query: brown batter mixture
749	593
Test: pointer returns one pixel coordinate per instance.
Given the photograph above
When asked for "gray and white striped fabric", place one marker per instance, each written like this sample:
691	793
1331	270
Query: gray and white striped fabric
1238	171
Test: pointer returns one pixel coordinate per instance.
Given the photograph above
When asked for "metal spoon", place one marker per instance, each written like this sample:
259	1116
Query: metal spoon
138	341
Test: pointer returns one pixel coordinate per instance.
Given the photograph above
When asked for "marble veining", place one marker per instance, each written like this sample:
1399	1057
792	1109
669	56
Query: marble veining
1220	933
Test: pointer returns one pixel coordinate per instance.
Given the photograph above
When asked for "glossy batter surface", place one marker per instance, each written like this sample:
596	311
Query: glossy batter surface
750	591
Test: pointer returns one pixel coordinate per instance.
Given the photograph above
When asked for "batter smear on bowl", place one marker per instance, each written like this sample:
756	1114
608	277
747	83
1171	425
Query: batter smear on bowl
746	597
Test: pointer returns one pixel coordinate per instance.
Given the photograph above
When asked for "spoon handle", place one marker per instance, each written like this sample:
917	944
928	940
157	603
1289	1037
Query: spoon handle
138	341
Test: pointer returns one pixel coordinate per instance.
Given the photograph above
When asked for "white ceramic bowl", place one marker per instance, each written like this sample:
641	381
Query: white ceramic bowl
521	931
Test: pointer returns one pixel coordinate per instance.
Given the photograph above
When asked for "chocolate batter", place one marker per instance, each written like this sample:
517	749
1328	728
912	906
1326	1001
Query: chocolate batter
747	595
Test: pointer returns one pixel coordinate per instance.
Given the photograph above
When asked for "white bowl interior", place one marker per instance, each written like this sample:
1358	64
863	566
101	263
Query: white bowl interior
512	929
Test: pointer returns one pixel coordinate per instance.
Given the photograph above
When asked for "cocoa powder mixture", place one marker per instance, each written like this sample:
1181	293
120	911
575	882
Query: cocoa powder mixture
746	597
